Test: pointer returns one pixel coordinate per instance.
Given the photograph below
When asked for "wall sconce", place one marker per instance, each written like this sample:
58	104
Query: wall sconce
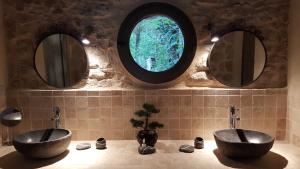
85	41
215	39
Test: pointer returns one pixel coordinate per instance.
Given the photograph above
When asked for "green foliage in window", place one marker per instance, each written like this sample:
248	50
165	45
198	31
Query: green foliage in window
156	43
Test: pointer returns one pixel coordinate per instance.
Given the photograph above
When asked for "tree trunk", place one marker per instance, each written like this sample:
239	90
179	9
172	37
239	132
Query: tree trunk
137	42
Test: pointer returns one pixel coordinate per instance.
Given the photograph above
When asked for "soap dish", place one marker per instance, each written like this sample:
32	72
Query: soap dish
199	143
101	143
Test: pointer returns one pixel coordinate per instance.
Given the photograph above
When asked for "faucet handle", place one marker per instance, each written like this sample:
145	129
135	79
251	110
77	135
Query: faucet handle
233	109
56	110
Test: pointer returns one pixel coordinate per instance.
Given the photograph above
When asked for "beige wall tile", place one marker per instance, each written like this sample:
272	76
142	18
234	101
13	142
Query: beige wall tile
174	134
209	112
259	92
140	100
258	112
70	112
270	101
180	92
164	113
93	101
105	93
105	101
234	92
163	134
185	101
209	124
174	112
69	101
197	112
117	101
198	101
105	112
222	112
185	114
117	123
129	134
93	93
81	102
246	112
185	123
221	124
270	112
128	101
58	93
235	101
222	101
186	134
82	113
174	124
94	113
197	124
258	101
209	101
117	134
197	133
58	101
174	101
117	112
246	101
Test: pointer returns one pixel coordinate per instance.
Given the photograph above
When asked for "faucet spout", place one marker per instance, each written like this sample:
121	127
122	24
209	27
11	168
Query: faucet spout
233	117
56	117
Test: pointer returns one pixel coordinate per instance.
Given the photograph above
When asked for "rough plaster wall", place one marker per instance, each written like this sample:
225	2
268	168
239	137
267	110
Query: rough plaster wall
293	75
29	20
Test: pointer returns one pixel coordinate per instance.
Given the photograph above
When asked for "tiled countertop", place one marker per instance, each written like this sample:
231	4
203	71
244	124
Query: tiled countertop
123	154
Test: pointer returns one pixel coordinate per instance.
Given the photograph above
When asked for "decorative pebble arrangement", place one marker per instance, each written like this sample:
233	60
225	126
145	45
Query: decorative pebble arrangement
146	149
83	146
101	143
186	148
199	143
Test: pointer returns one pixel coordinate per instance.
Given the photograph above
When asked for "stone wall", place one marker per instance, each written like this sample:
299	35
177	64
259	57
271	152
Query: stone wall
30	20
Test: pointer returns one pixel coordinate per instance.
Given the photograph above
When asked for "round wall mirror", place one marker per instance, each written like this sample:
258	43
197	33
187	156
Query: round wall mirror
61	61
237	59
156	43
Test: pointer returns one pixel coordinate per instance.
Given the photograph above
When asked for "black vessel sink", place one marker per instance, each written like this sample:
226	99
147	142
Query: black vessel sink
243	143
43	143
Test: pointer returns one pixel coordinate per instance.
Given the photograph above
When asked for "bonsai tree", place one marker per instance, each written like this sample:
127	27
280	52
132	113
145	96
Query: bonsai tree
146	113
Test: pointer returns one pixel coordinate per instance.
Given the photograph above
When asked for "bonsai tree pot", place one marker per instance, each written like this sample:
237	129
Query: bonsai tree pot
149	137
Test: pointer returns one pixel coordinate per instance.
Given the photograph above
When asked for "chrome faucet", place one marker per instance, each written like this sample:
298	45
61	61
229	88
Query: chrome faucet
56	117
233	117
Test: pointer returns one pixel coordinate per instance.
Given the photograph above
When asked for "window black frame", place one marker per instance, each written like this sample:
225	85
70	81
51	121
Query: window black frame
188	31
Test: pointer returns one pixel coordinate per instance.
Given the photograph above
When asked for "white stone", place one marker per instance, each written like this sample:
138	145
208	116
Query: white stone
199	76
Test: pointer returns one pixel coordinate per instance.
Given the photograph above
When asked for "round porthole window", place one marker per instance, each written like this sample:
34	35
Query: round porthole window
156	43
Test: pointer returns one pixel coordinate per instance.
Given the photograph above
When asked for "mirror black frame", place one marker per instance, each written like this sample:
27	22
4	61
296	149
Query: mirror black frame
189	34
45	36
221	35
